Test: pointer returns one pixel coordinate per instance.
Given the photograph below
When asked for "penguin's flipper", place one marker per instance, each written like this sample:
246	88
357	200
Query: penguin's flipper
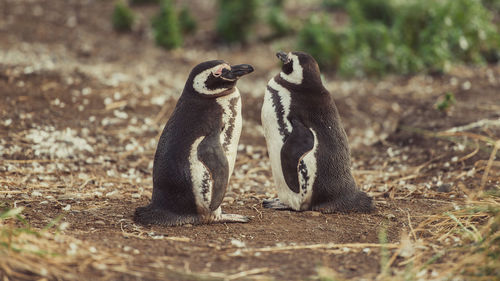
212	155
275	204
296	146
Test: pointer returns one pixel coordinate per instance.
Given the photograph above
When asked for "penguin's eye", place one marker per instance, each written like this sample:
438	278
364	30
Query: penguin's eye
218	72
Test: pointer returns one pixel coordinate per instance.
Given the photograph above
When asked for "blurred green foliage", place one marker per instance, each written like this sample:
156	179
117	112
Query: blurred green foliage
236	19
446	103
334	4
141	2
277	19
166	27
493	5
320	41
366	50
361	11
402	36
186	21
122	17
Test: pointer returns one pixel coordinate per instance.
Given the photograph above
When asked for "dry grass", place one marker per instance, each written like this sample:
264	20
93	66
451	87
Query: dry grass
462	243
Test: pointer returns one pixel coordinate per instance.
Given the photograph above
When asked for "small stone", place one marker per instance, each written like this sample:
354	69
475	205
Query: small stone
391	217
67	207
100	266
113	194
100	222
466	85
237	243
313	213
63	226
444	188
36	194
72	249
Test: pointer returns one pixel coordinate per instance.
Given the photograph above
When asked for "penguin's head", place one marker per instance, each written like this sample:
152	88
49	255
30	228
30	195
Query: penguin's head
299	68
216	78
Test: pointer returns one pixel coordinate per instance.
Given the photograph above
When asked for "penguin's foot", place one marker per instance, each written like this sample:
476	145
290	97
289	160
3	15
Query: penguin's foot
275	204
149	215
359	202
232	218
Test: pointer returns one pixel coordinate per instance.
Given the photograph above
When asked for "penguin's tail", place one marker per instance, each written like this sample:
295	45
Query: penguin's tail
359	202
150	215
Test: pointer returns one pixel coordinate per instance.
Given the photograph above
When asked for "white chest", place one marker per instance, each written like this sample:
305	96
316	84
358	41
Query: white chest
277	127
231	118
275	111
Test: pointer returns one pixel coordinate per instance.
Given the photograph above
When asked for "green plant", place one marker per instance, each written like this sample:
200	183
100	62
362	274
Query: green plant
383	11
236	19
318	39
186	21
277	19
334	4
441	32
141	2
366	50
384	252
493	5
424	35
446	103
122	17
166	29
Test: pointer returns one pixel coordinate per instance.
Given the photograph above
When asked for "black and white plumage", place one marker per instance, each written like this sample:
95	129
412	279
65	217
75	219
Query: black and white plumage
307	144
196	152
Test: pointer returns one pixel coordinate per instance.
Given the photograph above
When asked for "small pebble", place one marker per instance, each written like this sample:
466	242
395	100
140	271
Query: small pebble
444	188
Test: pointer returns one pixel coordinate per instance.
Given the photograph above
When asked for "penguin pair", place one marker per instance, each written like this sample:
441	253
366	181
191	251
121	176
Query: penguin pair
307	146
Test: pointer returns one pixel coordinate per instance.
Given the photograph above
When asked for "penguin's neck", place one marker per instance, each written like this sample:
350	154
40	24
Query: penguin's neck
308	88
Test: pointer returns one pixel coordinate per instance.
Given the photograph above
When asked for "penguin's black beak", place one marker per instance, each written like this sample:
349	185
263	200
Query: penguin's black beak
236	71
282	56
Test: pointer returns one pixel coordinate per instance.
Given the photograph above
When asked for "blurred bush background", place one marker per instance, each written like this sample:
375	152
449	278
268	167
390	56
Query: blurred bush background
354	38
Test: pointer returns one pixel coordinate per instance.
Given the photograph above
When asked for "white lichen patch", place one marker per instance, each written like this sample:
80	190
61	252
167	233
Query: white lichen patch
51	143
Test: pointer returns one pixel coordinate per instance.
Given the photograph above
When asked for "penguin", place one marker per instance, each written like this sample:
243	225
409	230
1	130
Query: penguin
197	149
307	144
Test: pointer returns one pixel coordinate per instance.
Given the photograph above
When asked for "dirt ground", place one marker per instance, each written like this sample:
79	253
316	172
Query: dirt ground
82	108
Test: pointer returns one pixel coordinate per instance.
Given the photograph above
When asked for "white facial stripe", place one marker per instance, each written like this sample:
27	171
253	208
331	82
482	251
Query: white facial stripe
200	178
297	74
199	80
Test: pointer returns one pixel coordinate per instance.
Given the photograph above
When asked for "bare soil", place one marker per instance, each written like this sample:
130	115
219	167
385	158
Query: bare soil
62	66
